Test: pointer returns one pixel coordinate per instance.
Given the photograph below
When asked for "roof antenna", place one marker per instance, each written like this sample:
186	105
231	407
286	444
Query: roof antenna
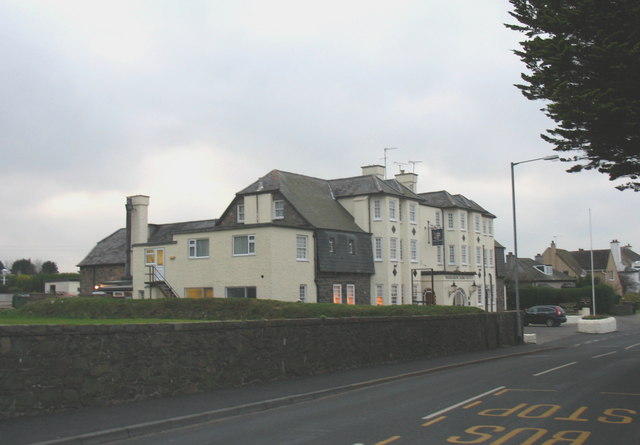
413	165
386	149
400	164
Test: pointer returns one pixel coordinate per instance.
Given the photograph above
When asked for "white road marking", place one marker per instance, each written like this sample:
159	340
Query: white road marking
604	355
464	402
632	346
554	369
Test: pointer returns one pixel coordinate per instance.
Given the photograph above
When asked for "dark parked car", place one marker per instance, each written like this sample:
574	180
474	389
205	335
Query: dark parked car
549	315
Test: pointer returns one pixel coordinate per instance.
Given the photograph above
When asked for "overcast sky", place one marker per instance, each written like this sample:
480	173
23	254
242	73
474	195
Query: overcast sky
190	101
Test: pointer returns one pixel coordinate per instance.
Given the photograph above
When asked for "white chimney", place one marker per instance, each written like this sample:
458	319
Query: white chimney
617	254
139	218
409	180
376	170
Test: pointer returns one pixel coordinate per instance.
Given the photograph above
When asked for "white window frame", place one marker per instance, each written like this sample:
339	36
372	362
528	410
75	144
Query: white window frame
400	211
377	210
490	257
337	293
484	226
451	254
394	294
412	212
302	293
480	296
414	250
478	256
251	245
302	245
393	249
438	219
393	208
401	249
477	223
463	254
378	249
380	291
450	221
439	253
463	221
240	213
278	209
194	244
351	293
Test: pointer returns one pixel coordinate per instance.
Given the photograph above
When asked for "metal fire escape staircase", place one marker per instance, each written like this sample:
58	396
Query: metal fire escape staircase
156	279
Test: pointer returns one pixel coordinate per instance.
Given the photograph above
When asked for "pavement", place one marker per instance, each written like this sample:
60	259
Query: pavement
108	424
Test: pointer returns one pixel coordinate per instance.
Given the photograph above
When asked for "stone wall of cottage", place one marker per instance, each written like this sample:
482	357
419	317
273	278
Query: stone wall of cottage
53	368
92	275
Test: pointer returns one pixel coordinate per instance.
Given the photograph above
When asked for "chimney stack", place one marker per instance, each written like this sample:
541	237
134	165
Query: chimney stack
137	229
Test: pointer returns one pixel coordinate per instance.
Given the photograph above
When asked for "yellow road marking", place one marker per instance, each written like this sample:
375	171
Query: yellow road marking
471	405
506	390
437	419
389	440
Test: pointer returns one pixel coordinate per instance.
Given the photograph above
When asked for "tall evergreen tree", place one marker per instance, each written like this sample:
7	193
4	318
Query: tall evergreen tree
583	61
49	267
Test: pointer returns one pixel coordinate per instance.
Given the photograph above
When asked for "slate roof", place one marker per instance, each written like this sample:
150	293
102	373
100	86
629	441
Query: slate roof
369	185
528	273
629	254
600	259
568	258
113	249
445	200
312	198
163	233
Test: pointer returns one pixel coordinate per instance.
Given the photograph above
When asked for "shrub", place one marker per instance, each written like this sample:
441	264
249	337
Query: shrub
219	309
632	298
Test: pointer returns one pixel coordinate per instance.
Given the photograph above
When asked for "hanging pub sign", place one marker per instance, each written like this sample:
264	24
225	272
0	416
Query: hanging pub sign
437	237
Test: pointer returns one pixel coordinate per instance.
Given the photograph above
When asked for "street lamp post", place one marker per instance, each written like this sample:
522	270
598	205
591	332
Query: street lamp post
515	240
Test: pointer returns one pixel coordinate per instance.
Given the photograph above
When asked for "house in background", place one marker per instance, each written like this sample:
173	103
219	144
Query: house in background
578	264
62	288
357	240
535	273
628	265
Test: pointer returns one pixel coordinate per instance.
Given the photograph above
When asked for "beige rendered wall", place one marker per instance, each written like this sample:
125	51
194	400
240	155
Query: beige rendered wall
274	270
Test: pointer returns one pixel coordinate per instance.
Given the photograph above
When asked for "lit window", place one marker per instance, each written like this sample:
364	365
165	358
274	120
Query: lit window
244	245
351	294
278	209
337	293
198	292
199	248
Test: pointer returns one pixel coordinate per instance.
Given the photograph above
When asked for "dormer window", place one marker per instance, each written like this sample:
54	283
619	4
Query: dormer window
352	247
240	213
278	209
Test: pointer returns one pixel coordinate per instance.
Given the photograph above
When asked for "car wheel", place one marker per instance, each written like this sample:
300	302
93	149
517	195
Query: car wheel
550	322
557	324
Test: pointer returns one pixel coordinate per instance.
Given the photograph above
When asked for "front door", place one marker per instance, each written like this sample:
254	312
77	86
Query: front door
155	257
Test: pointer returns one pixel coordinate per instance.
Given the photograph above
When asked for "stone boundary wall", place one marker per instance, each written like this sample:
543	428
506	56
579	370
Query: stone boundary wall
46	368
